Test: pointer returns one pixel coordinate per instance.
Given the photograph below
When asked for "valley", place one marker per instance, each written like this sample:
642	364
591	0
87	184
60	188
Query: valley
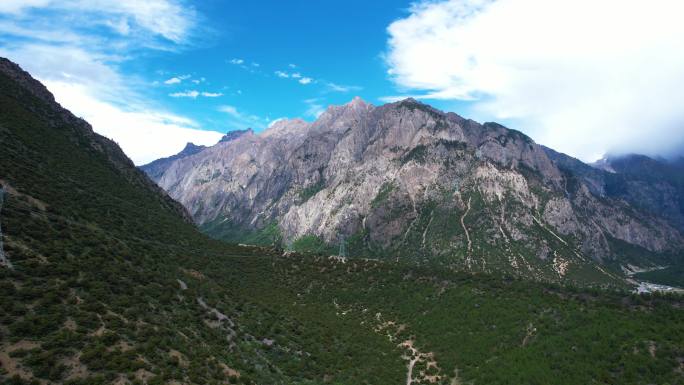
112	283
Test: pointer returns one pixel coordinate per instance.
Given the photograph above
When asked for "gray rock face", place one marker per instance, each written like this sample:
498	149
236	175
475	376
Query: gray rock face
157	168
406	179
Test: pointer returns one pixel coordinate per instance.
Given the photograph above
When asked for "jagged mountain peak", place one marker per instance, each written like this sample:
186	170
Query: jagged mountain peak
285	127
234	134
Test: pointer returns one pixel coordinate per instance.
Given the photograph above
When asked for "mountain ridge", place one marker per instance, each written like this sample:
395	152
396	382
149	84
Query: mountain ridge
379	176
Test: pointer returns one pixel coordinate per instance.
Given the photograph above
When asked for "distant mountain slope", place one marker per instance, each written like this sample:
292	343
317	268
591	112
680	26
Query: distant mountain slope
156	169
110	285
654	186
406	179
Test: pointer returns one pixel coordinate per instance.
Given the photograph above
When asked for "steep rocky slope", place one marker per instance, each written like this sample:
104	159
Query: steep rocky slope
408	180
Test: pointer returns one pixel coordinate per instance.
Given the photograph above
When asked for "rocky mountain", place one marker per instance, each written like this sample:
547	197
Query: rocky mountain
156	169
232	135
655	186
407	180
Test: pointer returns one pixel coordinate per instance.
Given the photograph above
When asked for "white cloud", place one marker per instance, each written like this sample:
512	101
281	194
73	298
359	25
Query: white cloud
584	77
132	128
193	94
185	94
305	80
282	74
230	110
17	6
211	94
342	88
241	120
176	79
169	19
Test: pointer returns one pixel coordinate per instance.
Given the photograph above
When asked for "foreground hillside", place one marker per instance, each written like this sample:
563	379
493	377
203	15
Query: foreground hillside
407	180
108	282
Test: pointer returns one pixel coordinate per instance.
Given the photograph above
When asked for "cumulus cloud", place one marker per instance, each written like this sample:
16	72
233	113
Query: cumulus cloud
584	77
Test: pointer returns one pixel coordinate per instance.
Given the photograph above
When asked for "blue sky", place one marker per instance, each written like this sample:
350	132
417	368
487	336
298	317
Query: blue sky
293	60
153	75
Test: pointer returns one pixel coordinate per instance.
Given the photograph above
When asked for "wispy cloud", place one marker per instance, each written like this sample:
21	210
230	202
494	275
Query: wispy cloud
193	94
170	20
76	48
185	94
341	88
241	120
211	94
314	107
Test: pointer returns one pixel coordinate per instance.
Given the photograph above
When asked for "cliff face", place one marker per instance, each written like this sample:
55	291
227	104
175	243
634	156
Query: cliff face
406	179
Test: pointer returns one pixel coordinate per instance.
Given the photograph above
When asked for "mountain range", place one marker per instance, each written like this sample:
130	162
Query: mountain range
407	180
106	280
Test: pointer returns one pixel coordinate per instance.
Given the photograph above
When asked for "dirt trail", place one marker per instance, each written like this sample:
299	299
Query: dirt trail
413	355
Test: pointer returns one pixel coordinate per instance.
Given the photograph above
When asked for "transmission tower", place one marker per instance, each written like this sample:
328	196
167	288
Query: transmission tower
343	247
